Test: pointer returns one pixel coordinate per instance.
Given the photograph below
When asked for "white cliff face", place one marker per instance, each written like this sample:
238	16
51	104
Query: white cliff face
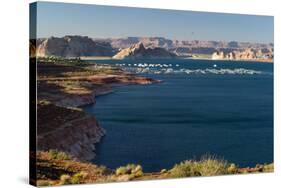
244	54
73	46
218	55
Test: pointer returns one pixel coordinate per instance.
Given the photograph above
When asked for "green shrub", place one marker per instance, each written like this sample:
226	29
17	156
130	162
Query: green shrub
55	154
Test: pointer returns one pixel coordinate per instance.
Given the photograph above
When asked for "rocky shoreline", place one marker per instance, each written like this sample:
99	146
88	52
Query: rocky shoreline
62	125
76	137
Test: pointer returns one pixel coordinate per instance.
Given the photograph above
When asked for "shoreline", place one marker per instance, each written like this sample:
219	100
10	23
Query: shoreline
183	57
65	96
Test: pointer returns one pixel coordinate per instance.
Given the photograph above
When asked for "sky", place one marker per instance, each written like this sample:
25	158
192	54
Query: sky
60	19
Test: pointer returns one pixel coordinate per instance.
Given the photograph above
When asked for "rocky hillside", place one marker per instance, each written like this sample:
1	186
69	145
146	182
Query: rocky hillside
72	46
80	132
138	51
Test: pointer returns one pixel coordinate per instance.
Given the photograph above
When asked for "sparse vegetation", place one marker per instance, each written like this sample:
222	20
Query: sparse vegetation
268	168
65	179
232	169
55	154
131	169
44	183
211	166
55	170
60	60
78	177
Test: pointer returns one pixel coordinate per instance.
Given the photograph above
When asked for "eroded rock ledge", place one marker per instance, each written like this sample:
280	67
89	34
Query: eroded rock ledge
68	130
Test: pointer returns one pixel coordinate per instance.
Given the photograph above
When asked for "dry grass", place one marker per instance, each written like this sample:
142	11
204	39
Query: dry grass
54	170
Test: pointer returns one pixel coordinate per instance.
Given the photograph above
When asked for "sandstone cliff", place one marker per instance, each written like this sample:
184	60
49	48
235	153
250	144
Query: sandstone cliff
138	51
72	46
76	46
263	54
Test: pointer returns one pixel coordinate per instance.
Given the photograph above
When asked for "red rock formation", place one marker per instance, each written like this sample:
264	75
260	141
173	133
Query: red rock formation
67	130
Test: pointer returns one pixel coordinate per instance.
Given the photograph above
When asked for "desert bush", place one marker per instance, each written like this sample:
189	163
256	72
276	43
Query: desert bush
205	167
268	167
65	179
131	169
212	167
232	169
55	154
44	183
78	177
185	169
137	171
121	171
102	170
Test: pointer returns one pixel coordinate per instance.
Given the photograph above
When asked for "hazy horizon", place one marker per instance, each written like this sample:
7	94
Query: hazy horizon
98	21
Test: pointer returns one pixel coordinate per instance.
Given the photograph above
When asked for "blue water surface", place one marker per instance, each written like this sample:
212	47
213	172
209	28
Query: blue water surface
228	113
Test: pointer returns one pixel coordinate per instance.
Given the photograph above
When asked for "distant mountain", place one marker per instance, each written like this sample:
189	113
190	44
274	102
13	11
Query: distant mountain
73	46
162	42
138	51
76	46
151	42
184	47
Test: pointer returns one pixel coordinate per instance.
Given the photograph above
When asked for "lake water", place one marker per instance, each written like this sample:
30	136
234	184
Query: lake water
201	107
